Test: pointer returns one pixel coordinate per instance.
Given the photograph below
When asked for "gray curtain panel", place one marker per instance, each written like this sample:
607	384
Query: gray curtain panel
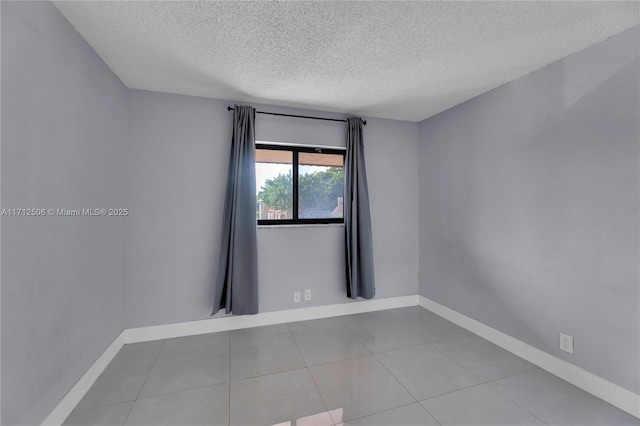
237	283
357	219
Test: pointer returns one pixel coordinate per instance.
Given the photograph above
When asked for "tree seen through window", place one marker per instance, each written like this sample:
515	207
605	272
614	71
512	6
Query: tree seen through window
320	185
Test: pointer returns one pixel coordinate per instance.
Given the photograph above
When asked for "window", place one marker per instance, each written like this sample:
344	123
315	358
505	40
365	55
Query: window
299	185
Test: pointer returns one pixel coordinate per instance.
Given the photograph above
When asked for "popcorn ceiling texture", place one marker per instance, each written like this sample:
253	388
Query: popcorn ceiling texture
400	60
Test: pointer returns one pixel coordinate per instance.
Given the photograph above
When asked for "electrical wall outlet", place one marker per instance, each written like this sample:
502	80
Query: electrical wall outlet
307	294
296	297
566	343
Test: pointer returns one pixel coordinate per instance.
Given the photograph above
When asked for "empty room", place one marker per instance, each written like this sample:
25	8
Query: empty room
319	213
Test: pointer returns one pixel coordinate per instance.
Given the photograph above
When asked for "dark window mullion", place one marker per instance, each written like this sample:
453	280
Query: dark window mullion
295	185
295	219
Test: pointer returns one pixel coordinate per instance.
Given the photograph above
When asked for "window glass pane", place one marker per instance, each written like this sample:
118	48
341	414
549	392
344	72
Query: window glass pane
274	184
320	185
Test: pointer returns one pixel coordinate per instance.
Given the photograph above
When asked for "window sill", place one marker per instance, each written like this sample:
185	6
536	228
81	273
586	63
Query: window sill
305	225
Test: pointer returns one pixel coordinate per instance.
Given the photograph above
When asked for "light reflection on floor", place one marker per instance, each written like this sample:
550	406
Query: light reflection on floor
328	418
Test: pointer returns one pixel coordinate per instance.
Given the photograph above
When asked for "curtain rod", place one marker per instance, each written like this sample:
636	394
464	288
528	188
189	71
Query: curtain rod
229	108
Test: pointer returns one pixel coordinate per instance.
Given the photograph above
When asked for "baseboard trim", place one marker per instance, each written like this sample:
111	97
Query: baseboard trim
190	328
589	382
610	392
60	413
143	334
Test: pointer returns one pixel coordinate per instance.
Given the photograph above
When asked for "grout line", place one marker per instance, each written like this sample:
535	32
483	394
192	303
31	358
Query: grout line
437	350
300	351
129	412
615	395
173	392
430	413
355	336
342	319
272	372
389	409
239	339
287	324
468	333
458	364
145	381
483	380
395	378
513	374
75	409
449	392
400	348
340	360
454	391
312	379
446	339
383	366
335	360
321	397
267	374
510	399
179	391
99	406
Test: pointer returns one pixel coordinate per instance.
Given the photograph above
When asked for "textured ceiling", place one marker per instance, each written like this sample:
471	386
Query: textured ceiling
401	60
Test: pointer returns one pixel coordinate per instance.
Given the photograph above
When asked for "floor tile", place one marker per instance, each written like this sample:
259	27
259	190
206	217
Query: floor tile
483	358
202	406
139	349
365	318
382	335
386	316
383	315
409	415
557	402
320	419
478	405
409	310
358	387
186	380
258	356
238	336
181	370
426	372
319	347
275	398
215	342
110	415
316	325
121	381
432	328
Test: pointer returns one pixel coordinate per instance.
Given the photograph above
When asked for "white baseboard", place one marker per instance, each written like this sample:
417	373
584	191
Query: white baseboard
77	392
610	392
595	385
190	328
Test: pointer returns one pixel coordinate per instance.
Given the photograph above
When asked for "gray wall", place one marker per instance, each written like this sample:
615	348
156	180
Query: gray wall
74	137
529	206
178	161
63	134
528	209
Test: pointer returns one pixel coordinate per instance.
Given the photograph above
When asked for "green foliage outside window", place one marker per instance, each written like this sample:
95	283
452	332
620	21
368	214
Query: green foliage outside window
318	192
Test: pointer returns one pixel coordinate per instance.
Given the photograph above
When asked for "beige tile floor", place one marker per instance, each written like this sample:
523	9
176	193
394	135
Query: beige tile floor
396	367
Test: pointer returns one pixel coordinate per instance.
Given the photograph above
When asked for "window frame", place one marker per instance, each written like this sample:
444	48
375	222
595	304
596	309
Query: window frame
295	150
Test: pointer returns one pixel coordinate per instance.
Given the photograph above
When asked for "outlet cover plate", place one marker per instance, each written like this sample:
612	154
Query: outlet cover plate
296	297
307	294
566	343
